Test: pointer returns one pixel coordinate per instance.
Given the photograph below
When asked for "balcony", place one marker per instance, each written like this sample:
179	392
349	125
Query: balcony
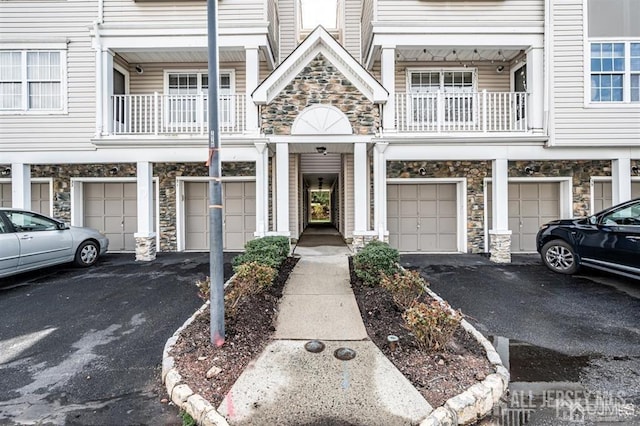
462	112
157	114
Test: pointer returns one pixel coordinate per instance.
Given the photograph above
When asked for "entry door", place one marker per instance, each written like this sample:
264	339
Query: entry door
112	209
422	217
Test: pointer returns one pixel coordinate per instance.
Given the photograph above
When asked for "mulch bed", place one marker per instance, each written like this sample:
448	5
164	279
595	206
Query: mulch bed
438	376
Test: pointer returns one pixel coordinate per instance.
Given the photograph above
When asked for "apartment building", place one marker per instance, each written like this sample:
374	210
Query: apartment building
438	126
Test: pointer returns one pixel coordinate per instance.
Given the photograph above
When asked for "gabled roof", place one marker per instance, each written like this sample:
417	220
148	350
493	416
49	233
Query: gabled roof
319	41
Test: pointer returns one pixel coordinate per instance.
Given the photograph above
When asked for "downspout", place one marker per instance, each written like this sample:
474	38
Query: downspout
99	86
547	71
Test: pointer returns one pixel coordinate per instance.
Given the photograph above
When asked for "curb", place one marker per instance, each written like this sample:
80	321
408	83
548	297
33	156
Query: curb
477	401
465	408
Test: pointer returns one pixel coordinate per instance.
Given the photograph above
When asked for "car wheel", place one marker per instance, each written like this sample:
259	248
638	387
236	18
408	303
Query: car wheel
87	254
559	256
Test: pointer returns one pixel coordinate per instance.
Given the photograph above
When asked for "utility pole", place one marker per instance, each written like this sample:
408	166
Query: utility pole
216	260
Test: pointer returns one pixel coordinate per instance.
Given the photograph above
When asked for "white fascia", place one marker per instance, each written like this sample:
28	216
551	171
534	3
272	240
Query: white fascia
319	41
138	42
471	39
490	152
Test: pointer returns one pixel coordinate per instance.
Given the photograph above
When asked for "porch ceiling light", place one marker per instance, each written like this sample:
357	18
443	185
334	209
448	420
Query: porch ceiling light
6	172
321	150
499	69
139	69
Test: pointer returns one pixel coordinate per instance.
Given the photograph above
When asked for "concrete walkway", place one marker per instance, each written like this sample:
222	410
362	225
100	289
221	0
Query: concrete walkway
288	385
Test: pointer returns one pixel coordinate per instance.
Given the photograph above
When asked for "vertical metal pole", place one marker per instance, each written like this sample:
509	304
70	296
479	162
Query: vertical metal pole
216	261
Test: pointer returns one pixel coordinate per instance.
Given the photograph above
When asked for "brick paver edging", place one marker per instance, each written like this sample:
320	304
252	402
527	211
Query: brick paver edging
474	403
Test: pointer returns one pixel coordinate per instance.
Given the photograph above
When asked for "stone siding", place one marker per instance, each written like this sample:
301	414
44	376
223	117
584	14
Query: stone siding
473	171
581	172
319	83
165	172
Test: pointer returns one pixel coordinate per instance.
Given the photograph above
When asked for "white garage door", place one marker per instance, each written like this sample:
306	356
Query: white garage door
239	214
112	209
40	199
422	217
602	197
530	205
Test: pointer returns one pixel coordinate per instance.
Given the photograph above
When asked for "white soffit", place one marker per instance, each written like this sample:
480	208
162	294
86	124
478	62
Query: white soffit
319	41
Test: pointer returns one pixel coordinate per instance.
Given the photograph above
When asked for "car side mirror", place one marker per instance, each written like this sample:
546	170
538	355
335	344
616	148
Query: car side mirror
593	220
62	226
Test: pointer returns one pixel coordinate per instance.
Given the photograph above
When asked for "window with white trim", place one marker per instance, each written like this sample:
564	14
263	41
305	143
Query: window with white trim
456	88
31	80
615	72
184	104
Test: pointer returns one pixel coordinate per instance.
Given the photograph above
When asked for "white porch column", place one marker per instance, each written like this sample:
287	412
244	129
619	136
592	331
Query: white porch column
499	234
145	237
388	64
262	189
360	189
252	61
282	186
380	190
535	88
107	92
21	186
620	180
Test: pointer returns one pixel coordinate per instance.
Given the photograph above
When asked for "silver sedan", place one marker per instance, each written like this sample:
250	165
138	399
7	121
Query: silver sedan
29	240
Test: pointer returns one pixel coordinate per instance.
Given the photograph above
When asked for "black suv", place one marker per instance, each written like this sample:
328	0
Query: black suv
609	240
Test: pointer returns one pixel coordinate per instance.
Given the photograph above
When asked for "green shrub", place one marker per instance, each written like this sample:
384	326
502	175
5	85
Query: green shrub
432	324
187	420
250	278
405	287
375	258
269	251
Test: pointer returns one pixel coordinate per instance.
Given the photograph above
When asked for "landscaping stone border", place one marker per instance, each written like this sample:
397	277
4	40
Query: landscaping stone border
467	407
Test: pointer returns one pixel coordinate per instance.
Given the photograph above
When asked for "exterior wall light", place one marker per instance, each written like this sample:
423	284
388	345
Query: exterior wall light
139	69
321	150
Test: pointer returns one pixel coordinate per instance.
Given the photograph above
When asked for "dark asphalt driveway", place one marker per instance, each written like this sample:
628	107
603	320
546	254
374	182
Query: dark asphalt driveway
84	346
567	340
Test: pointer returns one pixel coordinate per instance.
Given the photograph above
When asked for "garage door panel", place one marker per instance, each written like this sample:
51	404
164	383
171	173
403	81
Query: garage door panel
408	207
548	191
428	208
407	242
234	224
447	192
427	192
514	208
447	208
392	224
635	189
130	207
250	206
447	225
408	192
5	194
530	207
392	192
408	226
530	192
233	206
429	242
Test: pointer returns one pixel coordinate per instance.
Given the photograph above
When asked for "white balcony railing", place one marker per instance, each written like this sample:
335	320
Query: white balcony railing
158	114
440	112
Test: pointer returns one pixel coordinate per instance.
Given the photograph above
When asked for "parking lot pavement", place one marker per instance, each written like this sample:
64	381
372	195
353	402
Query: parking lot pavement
84	346
572	340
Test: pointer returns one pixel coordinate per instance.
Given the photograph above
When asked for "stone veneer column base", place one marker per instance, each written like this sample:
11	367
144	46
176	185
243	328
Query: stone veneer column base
500	246
145	247
360	239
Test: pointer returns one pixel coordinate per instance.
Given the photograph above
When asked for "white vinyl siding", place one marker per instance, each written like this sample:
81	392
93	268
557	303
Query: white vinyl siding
459	12
231	13
288	32
352	27
60	26
575	121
